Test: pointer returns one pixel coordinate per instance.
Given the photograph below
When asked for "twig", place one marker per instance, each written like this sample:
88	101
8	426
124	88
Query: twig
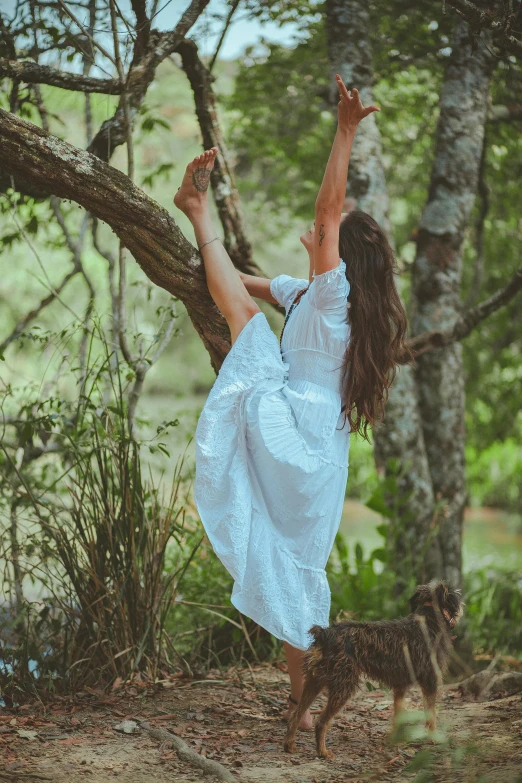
94	43
45	302
222	37
482	19
186	753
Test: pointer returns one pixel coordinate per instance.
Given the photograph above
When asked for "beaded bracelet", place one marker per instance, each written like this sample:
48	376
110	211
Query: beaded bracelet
207	242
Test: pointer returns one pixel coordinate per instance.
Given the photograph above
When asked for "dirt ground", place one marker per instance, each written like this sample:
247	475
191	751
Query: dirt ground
234	718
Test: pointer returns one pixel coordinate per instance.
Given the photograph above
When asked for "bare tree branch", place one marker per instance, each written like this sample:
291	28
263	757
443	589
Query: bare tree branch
223	34
469	320
32	314
486	19
32	73
94	43
141	74
222	178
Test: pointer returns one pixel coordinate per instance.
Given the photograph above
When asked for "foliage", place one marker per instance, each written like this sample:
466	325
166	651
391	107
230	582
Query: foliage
493	473
280	144
494	610
91	535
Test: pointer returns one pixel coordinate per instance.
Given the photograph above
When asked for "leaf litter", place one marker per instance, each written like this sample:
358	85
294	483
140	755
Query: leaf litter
236	721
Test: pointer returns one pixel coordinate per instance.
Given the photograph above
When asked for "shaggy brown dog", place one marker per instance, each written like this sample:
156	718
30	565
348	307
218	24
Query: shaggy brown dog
397	653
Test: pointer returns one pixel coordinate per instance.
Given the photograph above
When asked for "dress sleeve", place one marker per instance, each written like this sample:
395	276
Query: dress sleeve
285	288
330	289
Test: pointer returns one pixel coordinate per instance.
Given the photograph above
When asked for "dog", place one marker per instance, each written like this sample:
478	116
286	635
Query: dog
397	653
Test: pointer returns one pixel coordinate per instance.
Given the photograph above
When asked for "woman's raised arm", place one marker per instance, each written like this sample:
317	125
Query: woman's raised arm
330	199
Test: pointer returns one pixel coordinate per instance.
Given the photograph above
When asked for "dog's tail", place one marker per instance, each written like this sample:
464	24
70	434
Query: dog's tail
322	636
327	637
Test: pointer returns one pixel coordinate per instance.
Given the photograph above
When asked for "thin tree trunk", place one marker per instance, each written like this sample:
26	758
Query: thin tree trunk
399	439
436	284
350	55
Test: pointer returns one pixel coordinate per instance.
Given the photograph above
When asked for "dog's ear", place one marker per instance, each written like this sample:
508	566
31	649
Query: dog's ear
421	596
440	594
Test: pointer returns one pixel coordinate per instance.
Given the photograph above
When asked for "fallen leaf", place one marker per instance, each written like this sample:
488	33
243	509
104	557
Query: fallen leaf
126	726
27	734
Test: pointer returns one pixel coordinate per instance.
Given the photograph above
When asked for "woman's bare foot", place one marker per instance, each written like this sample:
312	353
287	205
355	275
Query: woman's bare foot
192	194
305	724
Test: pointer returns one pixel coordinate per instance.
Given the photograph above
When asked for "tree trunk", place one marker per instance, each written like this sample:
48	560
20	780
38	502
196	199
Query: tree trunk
399	439
350	55
436	284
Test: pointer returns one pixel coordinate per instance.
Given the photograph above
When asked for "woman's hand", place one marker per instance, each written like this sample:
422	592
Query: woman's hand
350	110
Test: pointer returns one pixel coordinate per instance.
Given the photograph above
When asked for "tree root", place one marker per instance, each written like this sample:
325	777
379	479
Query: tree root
186	753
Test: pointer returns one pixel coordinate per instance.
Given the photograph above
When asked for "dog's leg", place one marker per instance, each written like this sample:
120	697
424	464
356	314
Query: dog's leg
312	688
336	700
398	704
430	697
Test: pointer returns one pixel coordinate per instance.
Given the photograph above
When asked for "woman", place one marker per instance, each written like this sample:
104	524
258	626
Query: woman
272	442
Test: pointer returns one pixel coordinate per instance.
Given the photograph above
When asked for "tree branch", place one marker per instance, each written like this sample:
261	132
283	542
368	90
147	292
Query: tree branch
223	34
45	302
141	74
222	178
469	320
144	227
484	19
32	73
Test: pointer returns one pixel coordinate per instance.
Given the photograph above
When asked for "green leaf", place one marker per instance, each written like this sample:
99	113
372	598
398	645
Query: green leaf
376	503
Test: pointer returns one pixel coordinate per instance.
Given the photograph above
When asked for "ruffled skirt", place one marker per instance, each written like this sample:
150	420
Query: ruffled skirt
269	499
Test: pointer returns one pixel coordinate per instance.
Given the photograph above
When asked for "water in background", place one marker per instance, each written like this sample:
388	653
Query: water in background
491	537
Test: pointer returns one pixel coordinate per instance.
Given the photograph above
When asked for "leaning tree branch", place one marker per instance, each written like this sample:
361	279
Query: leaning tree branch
145	228
32	73
222	178
485	19
469	320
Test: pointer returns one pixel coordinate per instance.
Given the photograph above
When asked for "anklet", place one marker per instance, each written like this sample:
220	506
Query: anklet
293	700
207	242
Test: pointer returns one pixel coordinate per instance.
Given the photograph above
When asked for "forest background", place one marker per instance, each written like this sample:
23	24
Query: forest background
104	374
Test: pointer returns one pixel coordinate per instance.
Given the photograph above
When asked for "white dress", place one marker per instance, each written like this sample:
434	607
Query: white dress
272	457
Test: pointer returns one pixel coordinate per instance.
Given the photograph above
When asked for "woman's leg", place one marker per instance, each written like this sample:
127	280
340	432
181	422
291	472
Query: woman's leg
294	659
226	287
237	306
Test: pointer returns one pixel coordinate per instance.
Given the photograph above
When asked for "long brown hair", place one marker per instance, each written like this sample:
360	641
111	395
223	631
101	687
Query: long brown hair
377	319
